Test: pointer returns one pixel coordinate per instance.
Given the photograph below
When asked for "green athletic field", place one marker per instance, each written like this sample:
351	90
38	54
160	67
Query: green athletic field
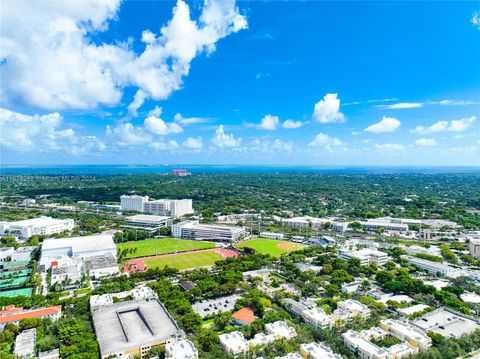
271	246
151	247
184	260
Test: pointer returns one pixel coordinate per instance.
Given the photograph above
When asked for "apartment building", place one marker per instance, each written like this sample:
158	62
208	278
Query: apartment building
364	348
317	318
181	349
207	232
317	351
281	330
234	343
404	331
349	309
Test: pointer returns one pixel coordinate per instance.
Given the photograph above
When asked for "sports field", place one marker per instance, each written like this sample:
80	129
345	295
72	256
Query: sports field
184	260
151	247
271	246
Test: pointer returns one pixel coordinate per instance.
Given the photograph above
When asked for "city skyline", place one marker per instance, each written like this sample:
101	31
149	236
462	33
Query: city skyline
314	83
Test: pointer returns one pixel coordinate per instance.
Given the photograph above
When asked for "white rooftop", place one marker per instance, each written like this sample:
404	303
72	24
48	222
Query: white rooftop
37	222
146	218
318	351
81	244
181	349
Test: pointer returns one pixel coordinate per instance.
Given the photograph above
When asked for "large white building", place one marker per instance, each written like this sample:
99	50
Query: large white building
76	248
234	343
169	207
348	309
147	222
272	235
160	207
387	224
207	232
40	225
365	256
132	203
430	266
281	330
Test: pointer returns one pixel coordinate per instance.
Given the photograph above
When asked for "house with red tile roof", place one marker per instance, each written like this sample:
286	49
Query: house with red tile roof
244	316
12	314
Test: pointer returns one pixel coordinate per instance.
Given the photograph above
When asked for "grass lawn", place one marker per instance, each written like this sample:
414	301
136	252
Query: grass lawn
184	260
147	247
271	246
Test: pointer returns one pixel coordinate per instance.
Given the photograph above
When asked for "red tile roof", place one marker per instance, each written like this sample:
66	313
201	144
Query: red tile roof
245	315
12	314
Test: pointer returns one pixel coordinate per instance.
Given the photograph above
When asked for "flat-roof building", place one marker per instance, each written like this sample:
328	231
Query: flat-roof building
317	318
133	202
281	330
317	351
349	309
22	254
41	225
365	349
234	343
272	235
147	222
207	232
446	323
76	247
133	327
373	225
25	344
430	266
181	349
406	332
6	254
365	256
169	207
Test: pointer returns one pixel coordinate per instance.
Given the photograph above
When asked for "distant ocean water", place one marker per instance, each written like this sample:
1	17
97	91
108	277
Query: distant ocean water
159	169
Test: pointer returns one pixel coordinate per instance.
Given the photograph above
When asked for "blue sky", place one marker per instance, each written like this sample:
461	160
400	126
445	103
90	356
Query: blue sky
315	83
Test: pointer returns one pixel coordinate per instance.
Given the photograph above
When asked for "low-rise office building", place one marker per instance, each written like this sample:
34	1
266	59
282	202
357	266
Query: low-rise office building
365	256
207	232
430	266
387	224
41	225
146	222
272	235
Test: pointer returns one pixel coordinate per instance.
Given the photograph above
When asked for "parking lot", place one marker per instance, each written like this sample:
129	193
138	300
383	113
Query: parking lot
215	306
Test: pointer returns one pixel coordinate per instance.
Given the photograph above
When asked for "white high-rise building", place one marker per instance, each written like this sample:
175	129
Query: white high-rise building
169	207
133	203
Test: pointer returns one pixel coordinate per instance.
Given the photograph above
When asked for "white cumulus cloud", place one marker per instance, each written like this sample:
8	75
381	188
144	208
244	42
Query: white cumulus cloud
26	133
269	123
327	110
159	127
442	126
426	142
225	140
326	141
387	124
291	124
49	60
193	143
